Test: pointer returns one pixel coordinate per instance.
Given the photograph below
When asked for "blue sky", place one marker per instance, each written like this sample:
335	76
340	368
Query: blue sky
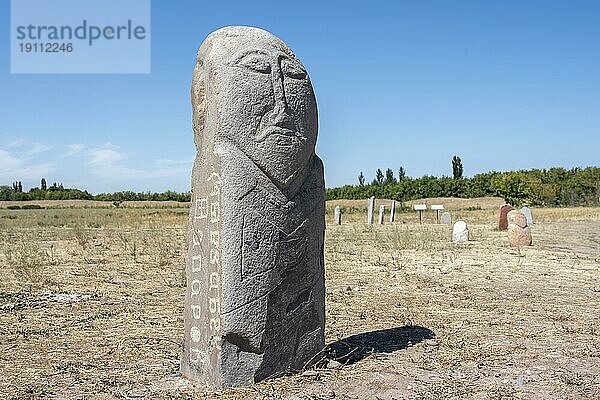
504	84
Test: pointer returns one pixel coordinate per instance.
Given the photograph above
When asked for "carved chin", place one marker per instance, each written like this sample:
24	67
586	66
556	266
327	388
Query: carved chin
284	178
281	158
283	175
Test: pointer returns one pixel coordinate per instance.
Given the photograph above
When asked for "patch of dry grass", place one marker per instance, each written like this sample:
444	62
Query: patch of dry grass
91	307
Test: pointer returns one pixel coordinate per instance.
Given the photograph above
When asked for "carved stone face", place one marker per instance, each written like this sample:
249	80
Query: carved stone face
265	102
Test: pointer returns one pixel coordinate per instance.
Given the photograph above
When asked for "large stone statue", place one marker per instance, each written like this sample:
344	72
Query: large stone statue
255	299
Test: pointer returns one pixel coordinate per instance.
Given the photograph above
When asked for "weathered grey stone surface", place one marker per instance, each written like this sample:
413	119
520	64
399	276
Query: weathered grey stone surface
255	298
381	213
446	218
371	210
393	211
337	215
502	219
519	234
460	233
527	212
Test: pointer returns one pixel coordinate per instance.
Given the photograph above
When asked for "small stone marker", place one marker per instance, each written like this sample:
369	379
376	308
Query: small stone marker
255	297
381	214
437	208
527	212
502	220
371	210
460	233
393	211
337	215
519	234
446	218
420	208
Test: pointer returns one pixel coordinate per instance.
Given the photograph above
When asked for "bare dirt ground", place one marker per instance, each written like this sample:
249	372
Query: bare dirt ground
91	307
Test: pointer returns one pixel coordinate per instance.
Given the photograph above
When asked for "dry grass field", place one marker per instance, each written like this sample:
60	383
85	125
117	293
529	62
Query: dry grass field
91	308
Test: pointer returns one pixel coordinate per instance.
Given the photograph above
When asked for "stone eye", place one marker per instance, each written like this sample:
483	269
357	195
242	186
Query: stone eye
292	70
255	62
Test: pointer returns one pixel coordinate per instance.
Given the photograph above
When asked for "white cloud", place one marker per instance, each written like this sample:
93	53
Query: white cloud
15	144
7	161
39	148
13	168
19	145
91	166
169	162
109	162
74	149
105	157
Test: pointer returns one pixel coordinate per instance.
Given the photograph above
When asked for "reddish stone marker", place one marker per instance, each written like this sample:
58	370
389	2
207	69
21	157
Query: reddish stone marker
502	220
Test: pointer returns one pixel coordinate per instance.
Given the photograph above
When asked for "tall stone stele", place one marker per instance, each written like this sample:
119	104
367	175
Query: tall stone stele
337	215
371	210
393	211
255	298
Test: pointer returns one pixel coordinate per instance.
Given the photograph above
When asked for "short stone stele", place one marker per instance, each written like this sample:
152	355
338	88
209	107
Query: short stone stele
255	298
381	214
446	218
460	233
519	233
527	212
502	221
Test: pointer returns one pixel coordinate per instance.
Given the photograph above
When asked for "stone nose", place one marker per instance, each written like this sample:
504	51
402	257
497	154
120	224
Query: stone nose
283	119
281	104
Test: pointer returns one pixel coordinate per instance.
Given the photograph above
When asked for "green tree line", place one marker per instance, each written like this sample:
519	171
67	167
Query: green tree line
539	187
59	192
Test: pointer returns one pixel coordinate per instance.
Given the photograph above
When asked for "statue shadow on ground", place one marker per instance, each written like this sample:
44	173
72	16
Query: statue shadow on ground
356	347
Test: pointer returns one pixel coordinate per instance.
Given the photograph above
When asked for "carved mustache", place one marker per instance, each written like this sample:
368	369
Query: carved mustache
282	125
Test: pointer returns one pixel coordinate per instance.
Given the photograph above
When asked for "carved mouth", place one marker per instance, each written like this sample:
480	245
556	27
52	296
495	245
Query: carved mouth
276	130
